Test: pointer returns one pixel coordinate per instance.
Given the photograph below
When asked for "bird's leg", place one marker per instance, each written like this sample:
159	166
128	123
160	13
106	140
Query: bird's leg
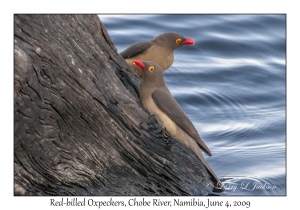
149	112
160	122
152	114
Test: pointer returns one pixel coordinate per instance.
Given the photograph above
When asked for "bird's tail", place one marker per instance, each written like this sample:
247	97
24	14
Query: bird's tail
218	186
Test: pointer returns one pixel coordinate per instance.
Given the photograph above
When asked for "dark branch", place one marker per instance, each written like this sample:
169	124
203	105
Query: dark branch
79	126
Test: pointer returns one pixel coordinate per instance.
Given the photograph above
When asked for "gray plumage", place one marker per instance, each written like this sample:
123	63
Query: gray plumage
156	97
158	50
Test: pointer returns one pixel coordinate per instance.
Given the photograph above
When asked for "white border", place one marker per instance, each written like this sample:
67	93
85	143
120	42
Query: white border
8	201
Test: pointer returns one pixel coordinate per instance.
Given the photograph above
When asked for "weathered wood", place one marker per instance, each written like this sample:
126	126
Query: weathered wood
79	127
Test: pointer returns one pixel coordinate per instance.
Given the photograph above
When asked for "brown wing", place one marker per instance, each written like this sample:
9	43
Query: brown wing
166	103
136	49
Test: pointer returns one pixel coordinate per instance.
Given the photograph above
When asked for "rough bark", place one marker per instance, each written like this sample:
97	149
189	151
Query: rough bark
79	127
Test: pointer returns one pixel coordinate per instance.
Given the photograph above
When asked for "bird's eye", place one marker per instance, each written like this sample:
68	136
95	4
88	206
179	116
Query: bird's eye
178	41
151	68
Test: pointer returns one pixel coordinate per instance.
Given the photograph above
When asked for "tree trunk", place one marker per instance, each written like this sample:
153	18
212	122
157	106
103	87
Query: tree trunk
79	128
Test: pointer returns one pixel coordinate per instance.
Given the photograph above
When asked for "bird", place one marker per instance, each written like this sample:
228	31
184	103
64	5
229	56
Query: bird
156	97
158	50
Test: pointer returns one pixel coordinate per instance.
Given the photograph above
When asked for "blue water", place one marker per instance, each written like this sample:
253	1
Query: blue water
232	85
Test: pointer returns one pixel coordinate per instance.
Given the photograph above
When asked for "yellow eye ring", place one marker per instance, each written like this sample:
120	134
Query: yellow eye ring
151	68
178	41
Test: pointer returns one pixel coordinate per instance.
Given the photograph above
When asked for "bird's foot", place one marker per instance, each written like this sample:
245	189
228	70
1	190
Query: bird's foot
152	114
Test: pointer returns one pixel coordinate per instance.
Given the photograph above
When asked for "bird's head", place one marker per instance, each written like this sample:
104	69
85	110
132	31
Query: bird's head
151	72
173	40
